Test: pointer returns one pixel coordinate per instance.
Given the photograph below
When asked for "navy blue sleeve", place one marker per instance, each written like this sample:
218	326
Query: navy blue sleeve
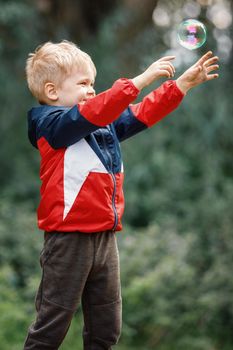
60	126
127	125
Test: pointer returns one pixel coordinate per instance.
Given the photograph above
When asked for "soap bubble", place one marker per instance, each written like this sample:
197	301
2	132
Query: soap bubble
191	34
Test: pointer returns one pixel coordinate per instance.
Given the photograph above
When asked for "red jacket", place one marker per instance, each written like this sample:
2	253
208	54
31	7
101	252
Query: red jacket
81	166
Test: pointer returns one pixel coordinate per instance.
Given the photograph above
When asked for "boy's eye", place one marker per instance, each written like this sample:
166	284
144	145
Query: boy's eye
86	83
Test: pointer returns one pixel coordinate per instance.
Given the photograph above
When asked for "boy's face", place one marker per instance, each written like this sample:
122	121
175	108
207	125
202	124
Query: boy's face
76	88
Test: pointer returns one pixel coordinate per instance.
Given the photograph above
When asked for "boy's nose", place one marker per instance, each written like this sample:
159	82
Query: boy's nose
91	91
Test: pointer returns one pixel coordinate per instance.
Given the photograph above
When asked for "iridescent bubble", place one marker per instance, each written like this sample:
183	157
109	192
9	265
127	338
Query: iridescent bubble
191	34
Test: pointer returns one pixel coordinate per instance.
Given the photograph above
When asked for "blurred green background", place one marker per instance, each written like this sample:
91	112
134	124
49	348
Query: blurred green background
176	248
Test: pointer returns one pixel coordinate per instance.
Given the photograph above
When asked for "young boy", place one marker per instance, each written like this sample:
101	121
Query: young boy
77	134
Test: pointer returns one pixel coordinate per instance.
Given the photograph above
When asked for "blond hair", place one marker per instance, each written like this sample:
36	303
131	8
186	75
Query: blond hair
52	63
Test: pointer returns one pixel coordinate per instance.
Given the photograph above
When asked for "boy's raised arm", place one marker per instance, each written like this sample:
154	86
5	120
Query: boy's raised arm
70	126
154	106
63	127
167	97
162	101
67	127
107	106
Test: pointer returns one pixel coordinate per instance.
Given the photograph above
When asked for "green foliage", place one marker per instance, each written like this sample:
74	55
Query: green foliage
73	339
13	318
19	243
18	23
170	301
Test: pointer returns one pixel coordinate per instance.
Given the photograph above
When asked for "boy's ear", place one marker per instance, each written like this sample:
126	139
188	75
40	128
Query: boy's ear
50	91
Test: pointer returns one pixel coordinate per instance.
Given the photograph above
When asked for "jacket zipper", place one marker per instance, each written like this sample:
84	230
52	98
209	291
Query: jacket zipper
114	183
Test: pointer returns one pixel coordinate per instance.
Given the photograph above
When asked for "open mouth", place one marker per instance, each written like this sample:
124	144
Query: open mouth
86	99
82	102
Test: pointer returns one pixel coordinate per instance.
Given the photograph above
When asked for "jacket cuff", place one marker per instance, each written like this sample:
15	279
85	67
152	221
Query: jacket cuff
179	92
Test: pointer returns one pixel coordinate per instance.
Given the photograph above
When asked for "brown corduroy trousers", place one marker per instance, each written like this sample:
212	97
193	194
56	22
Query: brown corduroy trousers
78	268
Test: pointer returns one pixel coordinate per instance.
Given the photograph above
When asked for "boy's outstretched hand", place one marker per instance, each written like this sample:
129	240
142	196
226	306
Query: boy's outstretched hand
195	75
158	69
199	72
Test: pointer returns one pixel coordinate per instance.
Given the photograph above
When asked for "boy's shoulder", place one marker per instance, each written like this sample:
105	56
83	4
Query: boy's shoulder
38	114
39	117
44	110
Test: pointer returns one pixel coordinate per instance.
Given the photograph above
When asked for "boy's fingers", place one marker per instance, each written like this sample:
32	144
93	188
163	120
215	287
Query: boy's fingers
169	67
212	76
211	61
211	68
204	58
172	67
169	64
165	73
166	58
